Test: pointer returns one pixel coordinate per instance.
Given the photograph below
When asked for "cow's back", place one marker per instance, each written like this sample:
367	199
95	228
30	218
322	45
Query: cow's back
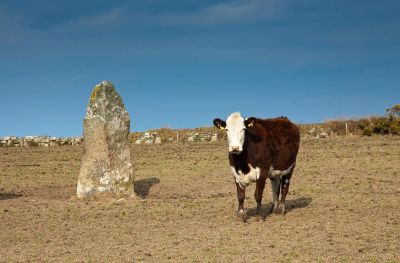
282	138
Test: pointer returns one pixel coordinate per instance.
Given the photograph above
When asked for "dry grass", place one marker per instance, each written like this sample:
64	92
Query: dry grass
344	206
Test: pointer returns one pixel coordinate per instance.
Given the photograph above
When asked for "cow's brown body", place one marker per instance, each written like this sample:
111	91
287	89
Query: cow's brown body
268	143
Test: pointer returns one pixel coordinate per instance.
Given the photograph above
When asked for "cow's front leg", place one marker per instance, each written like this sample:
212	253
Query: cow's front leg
241	197
240	193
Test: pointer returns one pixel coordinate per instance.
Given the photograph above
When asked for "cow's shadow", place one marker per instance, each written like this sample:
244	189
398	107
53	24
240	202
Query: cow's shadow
142	187
7	196
266	209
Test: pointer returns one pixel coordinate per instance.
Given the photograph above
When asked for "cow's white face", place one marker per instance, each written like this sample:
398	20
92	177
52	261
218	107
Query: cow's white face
235	127
235	131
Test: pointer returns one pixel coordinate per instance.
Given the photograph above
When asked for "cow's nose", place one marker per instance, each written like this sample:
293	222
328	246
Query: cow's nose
235	148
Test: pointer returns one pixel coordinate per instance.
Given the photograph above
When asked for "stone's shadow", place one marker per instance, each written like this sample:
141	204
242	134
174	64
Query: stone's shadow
142	187
9	196
266	209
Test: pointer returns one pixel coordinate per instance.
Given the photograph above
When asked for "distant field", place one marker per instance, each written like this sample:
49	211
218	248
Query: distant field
343	206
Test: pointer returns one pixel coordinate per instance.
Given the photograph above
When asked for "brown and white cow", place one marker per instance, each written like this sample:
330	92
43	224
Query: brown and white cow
261	149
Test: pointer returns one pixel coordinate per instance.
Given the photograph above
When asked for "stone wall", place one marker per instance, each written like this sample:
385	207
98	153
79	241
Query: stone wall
136	138
141	138
12	141
191	136
151	137
148	138
318	133
202	137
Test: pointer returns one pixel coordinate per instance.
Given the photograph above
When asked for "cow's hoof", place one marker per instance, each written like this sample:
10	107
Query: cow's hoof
259	216
283	211
241	215
271	209
276	209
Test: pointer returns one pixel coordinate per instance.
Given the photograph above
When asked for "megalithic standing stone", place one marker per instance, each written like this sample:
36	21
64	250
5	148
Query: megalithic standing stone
106	163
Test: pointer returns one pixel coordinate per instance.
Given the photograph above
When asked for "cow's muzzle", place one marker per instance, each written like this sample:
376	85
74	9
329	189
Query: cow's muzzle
235	149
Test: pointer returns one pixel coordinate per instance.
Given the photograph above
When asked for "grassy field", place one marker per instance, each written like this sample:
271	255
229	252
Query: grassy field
343	206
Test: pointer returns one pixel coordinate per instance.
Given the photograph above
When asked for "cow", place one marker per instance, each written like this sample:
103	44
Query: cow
260	149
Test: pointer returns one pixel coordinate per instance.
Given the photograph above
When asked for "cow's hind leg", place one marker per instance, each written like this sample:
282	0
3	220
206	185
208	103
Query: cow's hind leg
285	189
275	184
241	197
259	192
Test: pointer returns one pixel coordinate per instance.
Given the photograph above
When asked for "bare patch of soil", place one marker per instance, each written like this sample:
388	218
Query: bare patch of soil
343	205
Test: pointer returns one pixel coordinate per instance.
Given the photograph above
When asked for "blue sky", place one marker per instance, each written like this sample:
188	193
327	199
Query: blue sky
180	64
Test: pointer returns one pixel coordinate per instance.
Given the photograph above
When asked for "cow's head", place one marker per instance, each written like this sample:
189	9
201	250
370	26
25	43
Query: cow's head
235	127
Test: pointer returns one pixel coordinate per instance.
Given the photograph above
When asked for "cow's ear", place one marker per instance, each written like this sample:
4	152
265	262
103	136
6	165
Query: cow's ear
249	122
220	124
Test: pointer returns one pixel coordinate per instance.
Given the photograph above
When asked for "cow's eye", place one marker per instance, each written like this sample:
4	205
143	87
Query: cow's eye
226	129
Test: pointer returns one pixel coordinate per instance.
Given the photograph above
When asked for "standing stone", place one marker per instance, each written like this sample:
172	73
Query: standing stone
158	140
106	163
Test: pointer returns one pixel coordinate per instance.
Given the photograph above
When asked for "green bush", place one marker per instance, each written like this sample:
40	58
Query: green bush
380	125
395	126
365	126
394	112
